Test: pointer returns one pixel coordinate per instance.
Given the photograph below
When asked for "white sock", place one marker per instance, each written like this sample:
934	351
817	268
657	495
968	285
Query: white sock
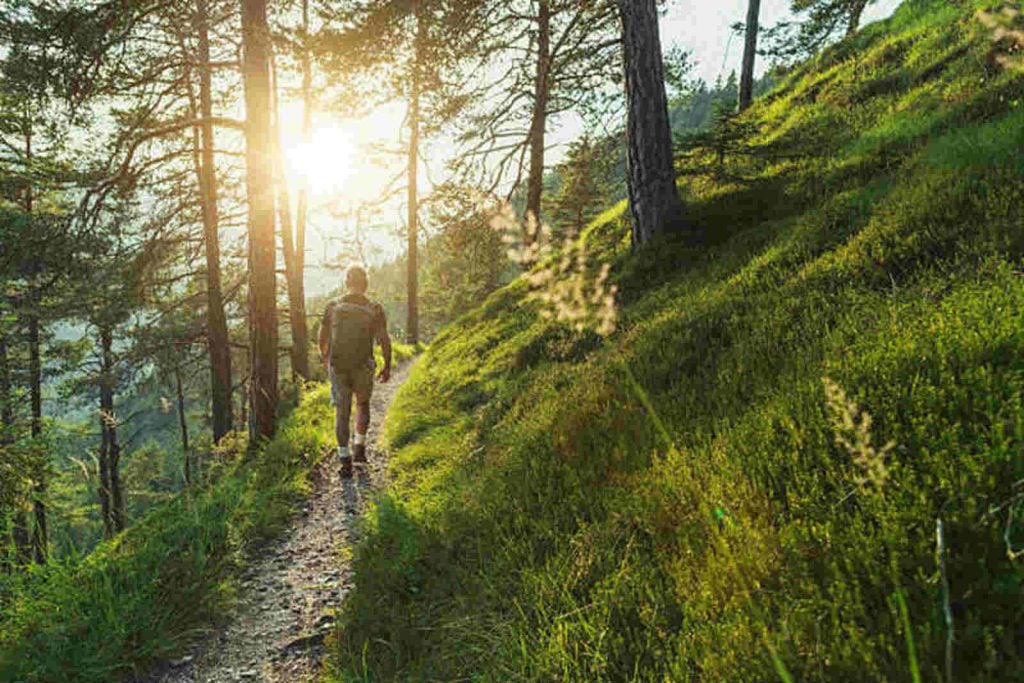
343	452
360	439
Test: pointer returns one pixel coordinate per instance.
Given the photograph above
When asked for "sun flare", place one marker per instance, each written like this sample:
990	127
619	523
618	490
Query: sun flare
326	163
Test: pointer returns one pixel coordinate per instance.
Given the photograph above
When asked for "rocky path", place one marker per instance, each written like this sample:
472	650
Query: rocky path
289	596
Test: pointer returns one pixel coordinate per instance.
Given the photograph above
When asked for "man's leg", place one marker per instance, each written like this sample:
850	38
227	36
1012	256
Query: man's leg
363	386
342	394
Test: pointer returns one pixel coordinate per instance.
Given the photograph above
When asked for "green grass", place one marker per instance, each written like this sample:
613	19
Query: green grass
671	502
141	597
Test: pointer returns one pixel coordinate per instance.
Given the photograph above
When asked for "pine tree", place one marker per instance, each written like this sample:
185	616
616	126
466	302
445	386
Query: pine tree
751	30
654	202
256	50
819	22
582	189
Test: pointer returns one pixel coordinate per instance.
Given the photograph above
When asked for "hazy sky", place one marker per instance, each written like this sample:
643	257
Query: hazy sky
341	175
703	26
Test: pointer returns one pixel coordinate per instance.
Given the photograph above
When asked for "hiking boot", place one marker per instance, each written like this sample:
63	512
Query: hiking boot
359	453
346	468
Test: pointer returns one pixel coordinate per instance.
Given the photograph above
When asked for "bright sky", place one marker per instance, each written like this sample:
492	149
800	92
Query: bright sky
703	26
341	173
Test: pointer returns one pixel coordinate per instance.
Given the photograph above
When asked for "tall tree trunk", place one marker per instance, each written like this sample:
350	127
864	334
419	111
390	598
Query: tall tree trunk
750	55
105	415
19	530
243	408
412	320
216	321
654	201
6	405
302	200
856	12
183	425
538	123
110	451
293	276
259	180
40	535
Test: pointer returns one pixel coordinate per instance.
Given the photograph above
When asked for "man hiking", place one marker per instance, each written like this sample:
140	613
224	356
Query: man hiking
349	327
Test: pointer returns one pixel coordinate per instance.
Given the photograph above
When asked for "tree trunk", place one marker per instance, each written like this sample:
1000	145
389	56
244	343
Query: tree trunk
293	276
40	536
111	493
183	425
412	320
19	530
216	321
538	124
302	201
856	12
243	409
750	55
654	200
259	180
40	539
105	415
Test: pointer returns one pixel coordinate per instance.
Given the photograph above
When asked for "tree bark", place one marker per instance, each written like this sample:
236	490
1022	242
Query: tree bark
538	124
216	320
183	426
111	492
654	200
749	55
412	320
40	535
302	201
856	12
259	161
19	531
105	415
299	353
243	409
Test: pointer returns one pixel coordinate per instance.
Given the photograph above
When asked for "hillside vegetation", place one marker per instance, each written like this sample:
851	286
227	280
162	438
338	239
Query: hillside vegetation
140	597
701	495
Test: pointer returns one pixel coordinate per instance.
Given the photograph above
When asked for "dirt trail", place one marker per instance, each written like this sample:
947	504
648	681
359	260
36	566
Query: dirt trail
290	594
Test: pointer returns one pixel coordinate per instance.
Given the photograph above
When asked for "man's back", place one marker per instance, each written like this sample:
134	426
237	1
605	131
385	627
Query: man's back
353	322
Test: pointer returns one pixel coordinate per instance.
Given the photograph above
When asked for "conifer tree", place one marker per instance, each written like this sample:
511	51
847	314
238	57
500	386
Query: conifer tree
751	30
256	54
654	202
409	50
554	56
582	188
818	23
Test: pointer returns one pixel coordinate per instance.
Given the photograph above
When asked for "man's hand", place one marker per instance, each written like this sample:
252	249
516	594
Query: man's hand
384	375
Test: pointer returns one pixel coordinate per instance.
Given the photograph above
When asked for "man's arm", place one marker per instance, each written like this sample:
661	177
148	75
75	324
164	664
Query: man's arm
325	335
384	339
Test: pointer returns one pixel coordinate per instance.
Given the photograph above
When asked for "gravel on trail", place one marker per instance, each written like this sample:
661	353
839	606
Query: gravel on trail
290	594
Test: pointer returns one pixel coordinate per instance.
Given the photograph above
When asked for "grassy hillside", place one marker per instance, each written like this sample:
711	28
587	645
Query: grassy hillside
139	597
700	495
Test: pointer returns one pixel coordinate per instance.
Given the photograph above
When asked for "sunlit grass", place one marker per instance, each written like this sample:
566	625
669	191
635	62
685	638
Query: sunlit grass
726	517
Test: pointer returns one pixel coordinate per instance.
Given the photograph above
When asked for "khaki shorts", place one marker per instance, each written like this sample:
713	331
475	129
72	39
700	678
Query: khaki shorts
348	382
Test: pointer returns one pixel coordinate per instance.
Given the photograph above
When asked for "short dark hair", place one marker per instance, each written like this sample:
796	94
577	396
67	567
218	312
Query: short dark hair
355	278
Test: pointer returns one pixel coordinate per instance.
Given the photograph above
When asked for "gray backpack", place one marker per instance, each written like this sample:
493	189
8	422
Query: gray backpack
352	332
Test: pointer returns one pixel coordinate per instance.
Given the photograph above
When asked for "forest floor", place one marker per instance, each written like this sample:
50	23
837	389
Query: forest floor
289	596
